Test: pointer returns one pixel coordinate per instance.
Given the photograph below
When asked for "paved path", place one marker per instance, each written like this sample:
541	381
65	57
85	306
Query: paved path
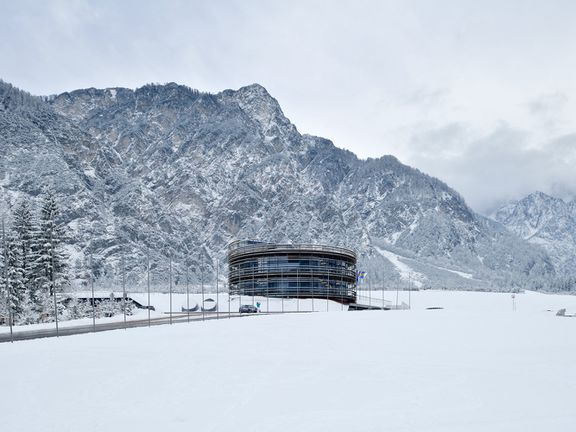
74	330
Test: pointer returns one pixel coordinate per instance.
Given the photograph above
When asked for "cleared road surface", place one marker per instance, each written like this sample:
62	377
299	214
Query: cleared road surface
117	325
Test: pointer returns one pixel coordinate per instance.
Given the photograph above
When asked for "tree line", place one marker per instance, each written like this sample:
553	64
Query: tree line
33	264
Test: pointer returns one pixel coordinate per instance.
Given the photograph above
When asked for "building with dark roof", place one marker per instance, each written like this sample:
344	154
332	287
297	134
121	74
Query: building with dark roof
292	271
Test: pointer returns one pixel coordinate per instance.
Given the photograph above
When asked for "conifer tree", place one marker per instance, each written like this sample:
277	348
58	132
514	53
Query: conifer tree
50	261
23	233
13	286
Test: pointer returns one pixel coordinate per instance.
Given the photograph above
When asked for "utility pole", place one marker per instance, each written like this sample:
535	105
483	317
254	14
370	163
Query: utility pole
217	290
383	301
92	289
148	280
124	290
370	292
239	289
267	293
53	284
170	283
342	287
328	292
381	289
282	282
313	287
187	296
8	299
229	301
202	282
297	291
253	286
410	291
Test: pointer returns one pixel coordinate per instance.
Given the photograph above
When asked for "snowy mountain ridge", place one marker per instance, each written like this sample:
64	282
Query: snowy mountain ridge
178	172
546	221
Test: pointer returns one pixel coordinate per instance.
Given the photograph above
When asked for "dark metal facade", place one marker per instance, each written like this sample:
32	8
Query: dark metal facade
287	270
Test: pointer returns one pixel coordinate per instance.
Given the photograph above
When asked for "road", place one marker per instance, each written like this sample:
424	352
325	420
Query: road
117	325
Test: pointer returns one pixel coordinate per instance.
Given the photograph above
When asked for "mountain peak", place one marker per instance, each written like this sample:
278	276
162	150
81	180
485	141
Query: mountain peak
255	88
258	104
539	196
256	95
544	220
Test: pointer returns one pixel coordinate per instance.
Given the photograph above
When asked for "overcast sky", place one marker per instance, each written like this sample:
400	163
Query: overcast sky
481	94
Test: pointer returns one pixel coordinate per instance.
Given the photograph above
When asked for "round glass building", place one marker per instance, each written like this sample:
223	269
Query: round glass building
292	270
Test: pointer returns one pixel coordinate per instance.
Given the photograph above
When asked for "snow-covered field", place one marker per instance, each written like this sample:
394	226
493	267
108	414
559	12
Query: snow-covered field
476	365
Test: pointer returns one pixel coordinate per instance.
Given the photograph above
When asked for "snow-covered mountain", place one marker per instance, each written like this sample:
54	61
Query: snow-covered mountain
546	221
178	172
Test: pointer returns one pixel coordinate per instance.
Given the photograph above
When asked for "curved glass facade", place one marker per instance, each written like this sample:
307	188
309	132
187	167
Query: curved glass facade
282	270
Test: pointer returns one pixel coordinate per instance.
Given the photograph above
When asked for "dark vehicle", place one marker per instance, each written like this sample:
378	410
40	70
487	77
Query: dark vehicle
248	309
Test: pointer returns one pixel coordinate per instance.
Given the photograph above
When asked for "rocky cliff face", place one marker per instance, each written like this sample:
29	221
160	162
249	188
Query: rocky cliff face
545	221
178	172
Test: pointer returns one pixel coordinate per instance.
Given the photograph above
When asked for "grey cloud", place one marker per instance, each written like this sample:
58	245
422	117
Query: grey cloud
441	143
548	104
549	109
503	166
426	97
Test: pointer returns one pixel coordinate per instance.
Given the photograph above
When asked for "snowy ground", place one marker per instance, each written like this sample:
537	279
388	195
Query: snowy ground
476	365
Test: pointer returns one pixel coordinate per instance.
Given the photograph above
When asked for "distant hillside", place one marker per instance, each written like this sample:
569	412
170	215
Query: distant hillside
175	171
545	221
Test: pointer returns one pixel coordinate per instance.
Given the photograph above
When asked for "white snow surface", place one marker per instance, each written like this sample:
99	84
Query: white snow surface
476	365
403	269
459	273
